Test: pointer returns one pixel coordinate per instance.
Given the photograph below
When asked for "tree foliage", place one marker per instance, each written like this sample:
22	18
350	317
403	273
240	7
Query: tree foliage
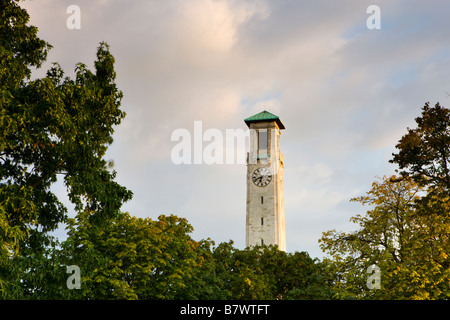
48	127
141	258
410	249
131	258
406	231
264	272
424	152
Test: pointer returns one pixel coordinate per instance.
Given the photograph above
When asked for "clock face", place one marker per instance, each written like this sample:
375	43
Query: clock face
262	177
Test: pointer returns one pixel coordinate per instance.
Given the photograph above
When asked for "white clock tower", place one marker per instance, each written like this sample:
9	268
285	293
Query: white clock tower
265	188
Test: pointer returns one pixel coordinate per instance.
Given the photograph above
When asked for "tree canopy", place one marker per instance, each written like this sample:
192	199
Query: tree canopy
141	258
48	127
410	249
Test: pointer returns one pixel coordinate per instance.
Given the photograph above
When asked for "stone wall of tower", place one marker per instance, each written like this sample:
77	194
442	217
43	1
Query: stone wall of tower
280	227
265	223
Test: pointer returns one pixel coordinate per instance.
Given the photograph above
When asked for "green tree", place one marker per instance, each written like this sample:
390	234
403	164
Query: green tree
264	272
405	245
20	49
424	152
239	274
48	127
424	155
136	258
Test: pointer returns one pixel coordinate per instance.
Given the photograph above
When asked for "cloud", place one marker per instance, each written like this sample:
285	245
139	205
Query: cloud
345	94
207	26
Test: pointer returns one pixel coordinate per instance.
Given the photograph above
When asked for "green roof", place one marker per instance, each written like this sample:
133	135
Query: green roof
264	116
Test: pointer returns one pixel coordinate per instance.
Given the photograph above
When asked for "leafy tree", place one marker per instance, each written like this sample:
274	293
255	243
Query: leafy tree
424	152
424	155
407	231
38	275
20	49
303	278
48	127
239	274
409	248
136	258
264	272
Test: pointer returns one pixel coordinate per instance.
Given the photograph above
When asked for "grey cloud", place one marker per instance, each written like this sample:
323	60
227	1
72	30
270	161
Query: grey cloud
344	93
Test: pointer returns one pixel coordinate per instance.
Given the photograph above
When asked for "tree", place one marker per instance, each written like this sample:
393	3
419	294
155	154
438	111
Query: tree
424	152
424	155
20	49
407	233
264	272
409	248
137	258
48	127
240	276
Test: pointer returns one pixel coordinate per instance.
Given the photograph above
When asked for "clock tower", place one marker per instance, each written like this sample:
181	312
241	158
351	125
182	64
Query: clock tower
265	188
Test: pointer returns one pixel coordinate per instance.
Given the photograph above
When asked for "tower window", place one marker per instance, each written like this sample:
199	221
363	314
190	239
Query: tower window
262	242
263	143
262	139
262	200
262	221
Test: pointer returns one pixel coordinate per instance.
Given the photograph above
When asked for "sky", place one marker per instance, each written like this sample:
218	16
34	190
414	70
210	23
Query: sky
345	93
